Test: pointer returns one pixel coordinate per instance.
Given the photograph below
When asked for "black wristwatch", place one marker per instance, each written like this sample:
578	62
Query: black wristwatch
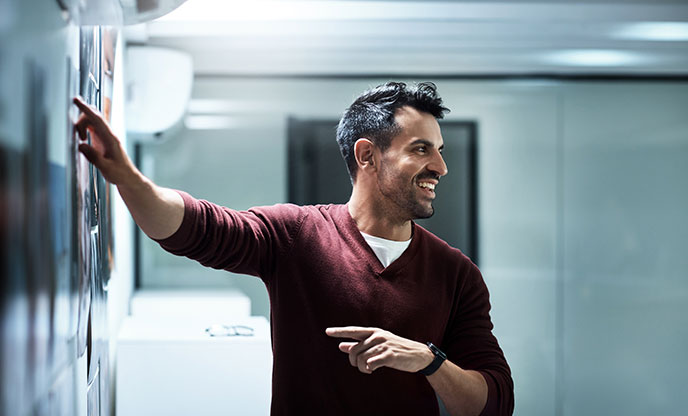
436	363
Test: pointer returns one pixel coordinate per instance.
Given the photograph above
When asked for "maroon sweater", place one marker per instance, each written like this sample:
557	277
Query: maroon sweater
319	273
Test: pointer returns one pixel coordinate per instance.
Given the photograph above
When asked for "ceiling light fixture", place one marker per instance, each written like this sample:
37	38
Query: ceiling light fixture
658	31
209	122
594	57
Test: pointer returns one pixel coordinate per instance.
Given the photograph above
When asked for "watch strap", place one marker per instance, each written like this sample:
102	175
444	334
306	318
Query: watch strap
440	357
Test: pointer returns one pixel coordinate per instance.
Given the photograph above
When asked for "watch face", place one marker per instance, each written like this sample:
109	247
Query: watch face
437	351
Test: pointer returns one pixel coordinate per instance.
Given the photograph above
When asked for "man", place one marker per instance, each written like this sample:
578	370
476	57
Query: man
360	279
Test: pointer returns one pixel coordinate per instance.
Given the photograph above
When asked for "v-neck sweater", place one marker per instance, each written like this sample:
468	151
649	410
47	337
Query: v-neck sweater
385	250
320	272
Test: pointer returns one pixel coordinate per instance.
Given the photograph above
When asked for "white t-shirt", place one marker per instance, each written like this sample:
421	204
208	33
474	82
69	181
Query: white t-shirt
386	250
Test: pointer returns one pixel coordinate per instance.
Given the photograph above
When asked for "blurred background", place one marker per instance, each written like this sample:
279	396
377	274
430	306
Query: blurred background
567	148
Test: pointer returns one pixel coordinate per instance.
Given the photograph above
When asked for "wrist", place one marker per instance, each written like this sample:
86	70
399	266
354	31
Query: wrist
438	358
133	181
132	176
427	357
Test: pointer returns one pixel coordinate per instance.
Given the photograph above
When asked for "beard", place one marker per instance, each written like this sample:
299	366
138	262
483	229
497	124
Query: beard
403	194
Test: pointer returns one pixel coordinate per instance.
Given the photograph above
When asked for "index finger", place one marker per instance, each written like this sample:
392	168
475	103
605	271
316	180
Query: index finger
356	332
85	108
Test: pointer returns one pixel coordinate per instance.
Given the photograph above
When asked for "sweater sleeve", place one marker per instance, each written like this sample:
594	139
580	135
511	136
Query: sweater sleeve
470	344
246	242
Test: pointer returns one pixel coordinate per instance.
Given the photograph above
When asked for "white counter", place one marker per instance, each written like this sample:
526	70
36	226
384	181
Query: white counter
221	304
175	368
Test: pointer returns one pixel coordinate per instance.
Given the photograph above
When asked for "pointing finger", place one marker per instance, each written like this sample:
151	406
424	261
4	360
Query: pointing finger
85	108
90	115
355	332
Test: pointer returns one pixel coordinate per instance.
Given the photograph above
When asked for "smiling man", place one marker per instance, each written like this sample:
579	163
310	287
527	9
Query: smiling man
370	313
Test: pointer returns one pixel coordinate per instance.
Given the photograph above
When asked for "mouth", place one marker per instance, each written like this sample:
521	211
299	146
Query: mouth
427	187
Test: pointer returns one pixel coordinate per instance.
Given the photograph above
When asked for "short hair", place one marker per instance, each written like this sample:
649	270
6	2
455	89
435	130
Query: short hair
372	116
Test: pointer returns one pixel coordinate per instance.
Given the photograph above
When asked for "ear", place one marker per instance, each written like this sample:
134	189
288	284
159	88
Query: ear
364	152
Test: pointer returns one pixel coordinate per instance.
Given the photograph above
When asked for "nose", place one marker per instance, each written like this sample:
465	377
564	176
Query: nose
437	165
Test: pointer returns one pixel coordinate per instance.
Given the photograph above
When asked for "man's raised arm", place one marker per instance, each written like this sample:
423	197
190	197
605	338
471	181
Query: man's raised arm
158	211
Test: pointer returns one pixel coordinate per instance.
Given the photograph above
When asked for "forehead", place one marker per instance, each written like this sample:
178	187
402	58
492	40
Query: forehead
417	125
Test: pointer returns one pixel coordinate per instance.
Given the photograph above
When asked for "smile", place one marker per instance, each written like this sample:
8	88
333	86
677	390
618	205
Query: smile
427	185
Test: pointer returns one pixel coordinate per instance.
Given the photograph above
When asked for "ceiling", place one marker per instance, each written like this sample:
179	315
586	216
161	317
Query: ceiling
445	38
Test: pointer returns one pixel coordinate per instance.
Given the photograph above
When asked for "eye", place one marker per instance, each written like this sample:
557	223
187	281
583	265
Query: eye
422	149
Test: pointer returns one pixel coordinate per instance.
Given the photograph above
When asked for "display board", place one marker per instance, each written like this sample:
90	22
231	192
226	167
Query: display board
56	238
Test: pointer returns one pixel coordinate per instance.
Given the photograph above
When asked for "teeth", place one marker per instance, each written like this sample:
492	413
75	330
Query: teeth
430	186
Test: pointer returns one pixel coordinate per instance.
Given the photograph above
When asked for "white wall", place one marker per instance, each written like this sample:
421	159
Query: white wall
624	270
581	221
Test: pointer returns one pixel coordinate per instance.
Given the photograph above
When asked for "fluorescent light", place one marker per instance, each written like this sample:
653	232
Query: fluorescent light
338	10
660	31
223	106
241	10
209	122
594	57
210	106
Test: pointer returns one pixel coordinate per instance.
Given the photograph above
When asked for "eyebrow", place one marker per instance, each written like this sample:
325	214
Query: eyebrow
425	142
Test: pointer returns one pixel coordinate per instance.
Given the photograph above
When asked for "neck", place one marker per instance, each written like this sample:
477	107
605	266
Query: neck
372	218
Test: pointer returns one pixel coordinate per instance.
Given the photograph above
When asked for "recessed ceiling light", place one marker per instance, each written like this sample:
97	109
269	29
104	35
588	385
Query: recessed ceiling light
594	57
660	31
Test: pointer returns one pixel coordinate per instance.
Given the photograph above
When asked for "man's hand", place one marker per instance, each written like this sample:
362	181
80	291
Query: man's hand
377	348
158	211
106	151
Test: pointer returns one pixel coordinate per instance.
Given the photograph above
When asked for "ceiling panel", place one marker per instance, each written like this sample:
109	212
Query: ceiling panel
429	38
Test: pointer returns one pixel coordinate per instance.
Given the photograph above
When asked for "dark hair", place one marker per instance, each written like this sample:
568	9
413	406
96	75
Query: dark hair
372	116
